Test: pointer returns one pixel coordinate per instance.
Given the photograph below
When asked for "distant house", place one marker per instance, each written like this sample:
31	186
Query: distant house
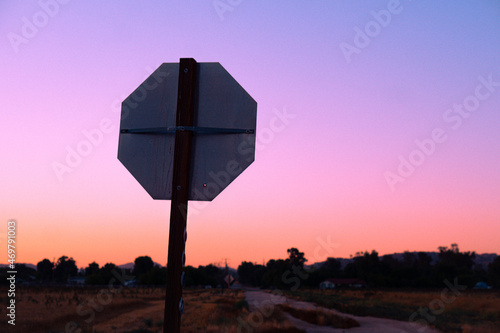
336	283
326	285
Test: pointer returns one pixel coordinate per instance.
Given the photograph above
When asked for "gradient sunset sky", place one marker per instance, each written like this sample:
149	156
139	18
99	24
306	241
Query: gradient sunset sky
378	127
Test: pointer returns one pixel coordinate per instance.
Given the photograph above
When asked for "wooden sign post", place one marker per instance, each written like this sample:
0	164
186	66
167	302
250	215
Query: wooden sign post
185	134
174	303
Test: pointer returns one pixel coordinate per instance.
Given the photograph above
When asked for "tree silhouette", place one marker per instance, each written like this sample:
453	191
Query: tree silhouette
155	276
494	272
92	268
44	270
455	264
142	265
296	258
367	267
65	267
251	274
329	269
275	270
203	275
103	275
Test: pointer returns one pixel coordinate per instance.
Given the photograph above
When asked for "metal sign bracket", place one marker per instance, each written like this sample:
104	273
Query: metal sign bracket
195	129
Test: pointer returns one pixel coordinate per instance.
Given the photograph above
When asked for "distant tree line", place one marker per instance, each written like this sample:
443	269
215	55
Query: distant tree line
144	272
414	270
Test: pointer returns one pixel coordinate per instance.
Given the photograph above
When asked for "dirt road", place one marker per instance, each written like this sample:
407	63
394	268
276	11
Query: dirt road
264	302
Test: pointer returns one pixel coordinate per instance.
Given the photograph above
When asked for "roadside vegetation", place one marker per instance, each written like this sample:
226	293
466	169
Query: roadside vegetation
471	311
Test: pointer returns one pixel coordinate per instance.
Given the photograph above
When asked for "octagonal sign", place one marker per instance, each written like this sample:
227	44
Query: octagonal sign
223	131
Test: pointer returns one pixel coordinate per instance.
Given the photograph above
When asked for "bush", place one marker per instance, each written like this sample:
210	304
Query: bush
241	304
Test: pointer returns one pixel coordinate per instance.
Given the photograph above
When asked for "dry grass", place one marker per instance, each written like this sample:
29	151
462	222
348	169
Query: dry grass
276	321
470	311
212	313
52	308
132	310
320	317
209	310
135	310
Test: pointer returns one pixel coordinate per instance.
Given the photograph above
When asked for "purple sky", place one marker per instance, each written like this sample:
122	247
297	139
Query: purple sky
349	95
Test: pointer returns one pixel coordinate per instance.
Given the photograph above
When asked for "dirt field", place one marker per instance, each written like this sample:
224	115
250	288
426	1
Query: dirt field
136	310
62	309
129	310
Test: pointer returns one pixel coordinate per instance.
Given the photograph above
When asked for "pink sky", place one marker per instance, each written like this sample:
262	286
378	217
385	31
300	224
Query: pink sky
320	179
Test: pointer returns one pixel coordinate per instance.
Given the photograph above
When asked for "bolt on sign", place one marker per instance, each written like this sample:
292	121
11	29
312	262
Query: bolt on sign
183	137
